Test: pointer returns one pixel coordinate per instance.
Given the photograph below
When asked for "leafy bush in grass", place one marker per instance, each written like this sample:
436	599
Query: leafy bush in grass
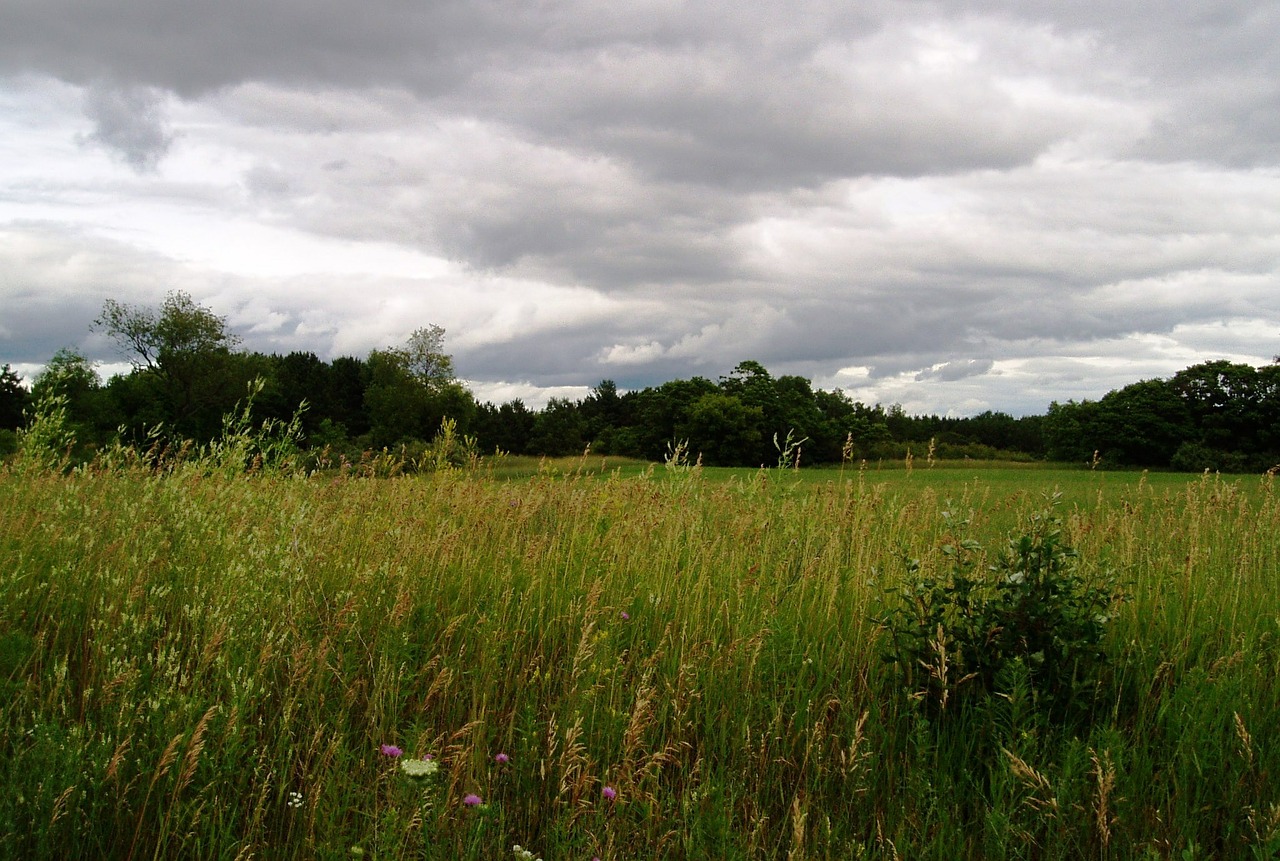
1030	618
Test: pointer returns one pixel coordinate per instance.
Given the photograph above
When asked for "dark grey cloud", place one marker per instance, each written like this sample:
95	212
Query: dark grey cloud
721	95
716	92
434	46
729	118
52	287
130	122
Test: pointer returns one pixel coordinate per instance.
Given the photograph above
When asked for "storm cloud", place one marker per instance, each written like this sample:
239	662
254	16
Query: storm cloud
952	206
129	121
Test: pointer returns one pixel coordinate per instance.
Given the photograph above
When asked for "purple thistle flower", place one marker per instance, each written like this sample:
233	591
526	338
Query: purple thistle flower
472	800
626	617
609	793
390	750
501	759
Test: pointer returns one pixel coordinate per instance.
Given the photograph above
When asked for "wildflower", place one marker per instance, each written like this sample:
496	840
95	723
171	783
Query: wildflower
391	750
625	616
609	793
523	854
472	800
501	759
295	799
419	768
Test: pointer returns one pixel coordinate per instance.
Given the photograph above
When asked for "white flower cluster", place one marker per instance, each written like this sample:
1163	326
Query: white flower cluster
419	768
523	854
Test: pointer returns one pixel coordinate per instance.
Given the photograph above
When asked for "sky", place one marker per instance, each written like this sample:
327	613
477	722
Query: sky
955	207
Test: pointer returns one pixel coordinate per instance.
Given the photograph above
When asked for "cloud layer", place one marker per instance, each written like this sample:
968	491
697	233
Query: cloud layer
954	207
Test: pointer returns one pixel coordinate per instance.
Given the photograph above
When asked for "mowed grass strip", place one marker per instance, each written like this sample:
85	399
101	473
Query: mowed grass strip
664	665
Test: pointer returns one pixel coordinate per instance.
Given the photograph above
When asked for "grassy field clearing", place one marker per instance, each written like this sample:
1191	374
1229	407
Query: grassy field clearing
615	664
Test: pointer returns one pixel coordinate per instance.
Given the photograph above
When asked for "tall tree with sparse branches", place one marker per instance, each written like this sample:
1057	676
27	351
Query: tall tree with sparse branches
424	357
185	349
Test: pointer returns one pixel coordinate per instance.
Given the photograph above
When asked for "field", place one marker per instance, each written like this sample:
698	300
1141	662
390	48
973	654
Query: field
619	662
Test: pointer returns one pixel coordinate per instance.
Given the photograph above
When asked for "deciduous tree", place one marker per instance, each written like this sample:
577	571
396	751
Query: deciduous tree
183	351
412	389
72	376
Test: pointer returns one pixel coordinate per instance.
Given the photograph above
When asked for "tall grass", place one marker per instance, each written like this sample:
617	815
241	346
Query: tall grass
199	666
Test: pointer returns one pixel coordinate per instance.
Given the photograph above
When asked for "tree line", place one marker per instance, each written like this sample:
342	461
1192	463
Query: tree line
1221	416
188	373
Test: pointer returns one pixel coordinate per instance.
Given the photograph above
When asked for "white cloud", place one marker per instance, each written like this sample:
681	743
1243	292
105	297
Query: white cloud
533	396
633	354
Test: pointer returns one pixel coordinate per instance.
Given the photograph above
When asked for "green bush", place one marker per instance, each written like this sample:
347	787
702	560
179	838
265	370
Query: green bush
48	440
1029	618
1194	457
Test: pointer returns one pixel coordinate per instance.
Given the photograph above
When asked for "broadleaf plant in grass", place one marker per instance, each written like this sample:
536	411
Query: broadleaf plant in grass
1030	617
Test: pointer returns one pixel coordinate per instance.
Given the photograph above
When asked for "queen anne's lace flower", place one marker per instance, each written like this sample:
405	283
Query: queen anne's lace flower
419	768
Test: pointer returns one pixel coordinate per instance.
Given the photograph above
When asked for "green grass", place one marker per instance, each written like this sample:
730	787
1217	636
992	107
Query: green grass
179	654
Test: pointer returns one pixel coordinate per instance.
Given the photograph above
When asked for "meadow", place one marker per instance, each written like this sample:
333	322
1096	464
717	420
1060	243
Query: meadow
618	663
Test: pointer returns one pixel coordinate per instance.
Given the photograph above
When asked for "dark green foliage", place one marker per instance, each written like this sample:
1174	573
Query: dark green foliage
724	430
1029	618
1229	403
848	424
399	408
1142	424
411	390
344	394
559	429
661	410
605	410
1216	415
1195	457
507	428
182	354
244	446
13	399
91	414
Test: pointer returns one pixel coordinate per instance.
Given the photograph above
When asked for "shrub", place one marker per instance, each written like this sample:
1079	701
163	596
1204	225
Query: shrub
8	442
1194	457
48	439
273	446
1029	618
